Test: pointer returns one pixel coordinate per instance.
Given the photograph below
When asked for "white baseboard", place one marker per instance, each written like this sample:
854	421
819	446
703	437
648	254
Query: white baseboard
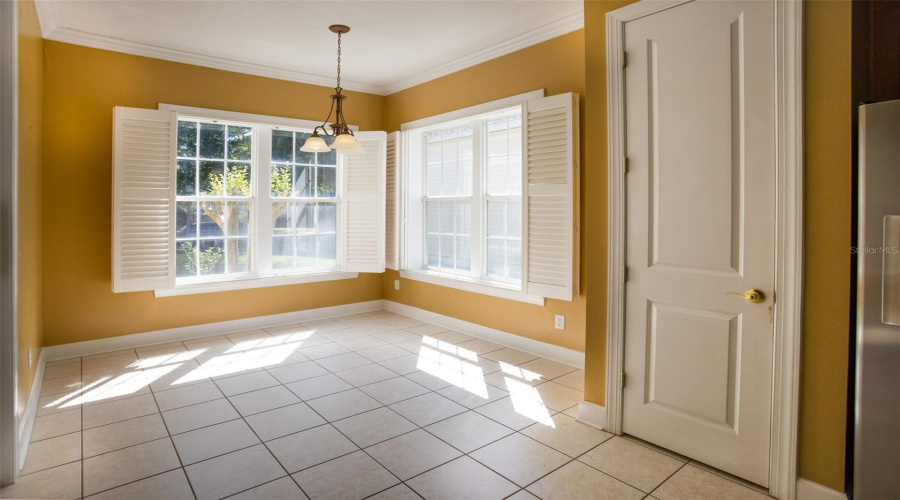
98	346
27	423
553	352
808	490
592	414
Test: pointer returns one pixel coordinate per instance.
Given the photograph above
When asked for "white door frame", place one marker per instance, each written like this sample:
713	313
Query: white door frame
9	82
789	229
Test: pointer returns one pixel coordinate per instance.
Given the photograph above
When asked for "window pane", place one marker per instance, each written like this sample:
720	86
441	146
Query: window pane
302	217
496	221
448	158
514	258
462	211
327	182
212	141
329	158
282	146
514	218
238	219
185	259
186	219
432	216
498	175
239	255
212	257
282	180
239	140
327	250
432	249
434	179
448	258
463	253
212	219
187	178
212	177
280	221
187	139
303	181
282	252
448	219
306	251
327	218
496	256
300	156
238	179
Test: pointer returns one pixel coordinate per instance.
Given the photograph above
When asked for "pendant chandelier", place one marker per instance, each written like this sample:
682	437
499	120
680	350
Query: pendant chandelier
344	141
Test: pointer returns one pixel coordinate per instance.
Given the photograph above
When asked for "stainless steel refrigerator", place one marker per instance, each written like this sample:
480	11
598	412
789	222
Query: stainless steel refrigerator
876	464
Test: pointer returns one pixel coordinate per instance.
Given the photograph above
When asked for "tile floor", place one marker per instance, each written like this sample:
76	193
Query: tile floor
367	406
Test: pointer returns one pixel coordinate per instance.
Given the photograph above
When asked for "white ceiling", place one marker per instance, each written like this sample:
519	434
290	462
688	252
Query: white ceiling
392	44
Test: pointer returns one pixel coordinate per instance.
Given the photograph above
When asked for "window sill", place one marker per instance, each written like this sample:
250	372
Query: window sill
471	285
243	284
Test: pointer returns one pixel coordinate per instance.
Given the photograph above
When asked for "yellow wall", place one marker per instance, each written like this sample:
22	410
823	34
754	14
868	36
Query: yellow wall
828	170
81	86
29	307
557	66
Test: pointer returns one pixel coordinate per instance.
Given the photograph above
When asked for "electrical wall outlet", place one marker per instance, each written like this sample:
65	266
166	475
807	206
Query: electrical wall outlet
29	359
560	323
396	284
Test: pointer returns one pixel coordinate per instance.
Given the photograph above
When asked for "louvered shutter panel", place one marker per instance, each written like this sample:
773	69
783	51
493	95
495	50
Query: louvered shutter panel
550	171
362	214
143	243
392	202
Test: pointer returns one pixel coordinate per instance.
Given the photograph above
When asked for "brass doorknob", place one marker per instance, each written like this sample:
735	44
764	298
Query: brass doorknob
753	295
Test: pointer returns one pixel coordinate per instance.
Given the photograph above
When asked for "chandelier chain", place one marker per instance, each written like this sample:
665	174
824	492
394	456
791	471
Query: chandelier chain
339	62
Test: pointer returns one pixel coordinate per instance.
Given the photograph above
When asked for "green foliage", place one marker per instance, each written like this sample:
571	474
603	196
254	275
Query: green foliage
235	183
187	260
281	181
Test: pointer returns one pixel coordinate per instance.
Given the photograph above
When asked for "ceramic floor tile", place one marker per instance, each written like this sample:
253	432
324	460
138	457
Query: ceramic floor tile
317	387
574	380
310	447
297	371
352	476
452	337
343	404
405	364
343	362
178	379
713	470
393	390
323	351
462	478
427	409
114	362
399	492
510	356
375	328
479	346
49	405
56	424
692	482
248	382
523	495
283	421
59	482
520	459
383	353
546	369
345	334
567	435
52	452
374	426
360	343
357	321
263	400
637	465
405	322
468	431
280	489
128	464
172	485
116	411
516	413
189	395
123	434
429	381
427	329
62	371
557	396
199	415
213	441
473	393
397	336
64	385
233	473
576	480
365	375
209	344
120	352
413	453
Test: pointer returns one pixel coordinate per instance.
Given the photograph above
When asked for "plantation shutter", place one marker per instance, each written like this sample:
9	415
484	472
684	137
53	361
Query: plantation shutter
392	202
362	215
143	243
550	171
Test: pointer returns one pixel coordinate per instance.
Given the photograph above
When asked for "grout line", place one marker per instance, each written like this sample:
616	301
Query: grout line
172	441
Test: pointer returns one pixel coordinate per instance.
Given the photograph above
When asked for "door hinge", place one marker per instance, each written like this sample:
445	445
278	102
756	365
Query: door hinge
623	379
624	59
625	164
625	273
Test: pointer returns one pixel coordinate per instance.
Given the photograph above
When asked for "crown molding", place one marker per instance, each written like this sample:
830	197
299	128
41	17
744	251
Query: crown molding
518	42
51	30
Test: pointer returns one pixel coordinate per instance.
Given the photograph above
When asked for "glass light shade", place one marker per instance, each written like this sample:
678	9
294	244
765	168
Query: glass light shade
347	144
315	144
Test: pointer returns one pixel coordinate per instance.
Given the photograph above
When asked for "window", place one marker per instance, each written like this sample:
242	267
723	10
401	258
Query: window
207	200
469	219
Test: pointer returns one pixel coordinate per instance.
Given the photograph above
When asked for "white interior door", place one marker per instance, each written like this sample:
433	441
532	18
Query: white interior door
700	142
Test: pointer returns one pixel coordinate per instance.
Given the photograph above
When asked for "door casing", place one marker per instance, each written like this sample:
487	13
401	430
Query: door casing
788	226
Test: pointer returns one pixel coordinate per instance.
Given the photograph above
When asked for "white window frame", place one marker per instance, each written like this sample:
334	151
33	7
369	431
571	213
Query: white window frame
412	241
261	274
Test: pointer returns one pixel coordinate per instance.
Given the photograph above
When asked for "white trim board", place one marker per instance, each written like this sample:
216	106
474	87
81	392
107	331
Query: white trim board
788	15
51	30
808	490
552	352
30	413
592	414
133	340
